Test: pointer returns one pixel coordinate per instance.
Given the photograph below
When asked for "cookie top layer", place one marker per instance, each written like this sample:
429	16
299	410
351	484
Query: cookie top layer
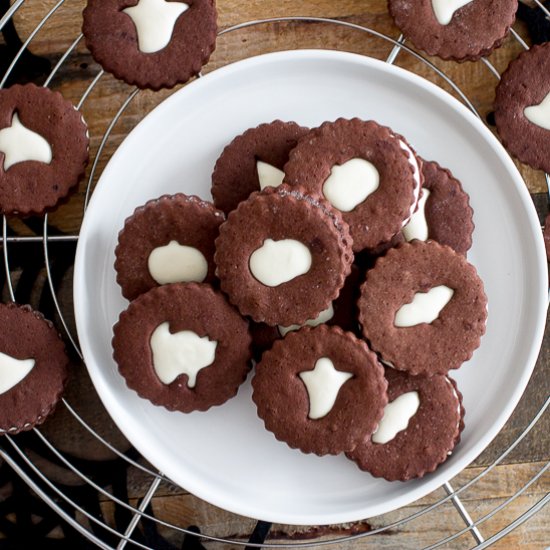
465	30
282	256
444	213
43	149
320	390
522	107
252	161
168	240
423	308
182	346
33	368
420	427
150	43
367	172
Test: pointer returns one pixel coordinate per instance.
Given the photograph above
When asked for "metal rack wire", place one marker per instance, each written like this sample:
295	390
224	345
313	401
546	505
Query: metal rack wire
91	524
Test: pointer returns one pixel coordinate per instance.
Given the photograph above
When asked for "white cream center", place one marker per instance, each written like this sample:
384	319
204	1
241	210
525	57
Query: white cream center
175	263
323	384
417	228
20	144
184	352
12	371
445	9
277	262
424	308
154	21
268	175
349	184
397	415
539	114
323	317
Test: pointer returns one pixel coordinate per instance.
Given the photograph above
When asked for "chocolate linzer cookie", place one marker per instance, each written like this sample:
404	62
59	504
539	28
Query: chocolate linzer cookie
43	149
320	390
522	107
168	240
33	368
420	427
342	312
252	161
371	175
150	43
460	31
182	346
444	213
423	308
282	256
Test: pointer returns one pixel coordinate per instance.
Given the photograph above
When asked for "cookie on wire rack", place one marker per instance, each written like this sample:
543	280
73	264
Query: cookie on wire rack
151	43
44	149
33	368
461	30
522	107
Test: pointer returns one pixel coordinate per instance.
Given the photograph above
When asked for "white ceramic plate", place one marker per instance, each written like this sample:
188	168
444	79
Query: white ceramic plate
224	455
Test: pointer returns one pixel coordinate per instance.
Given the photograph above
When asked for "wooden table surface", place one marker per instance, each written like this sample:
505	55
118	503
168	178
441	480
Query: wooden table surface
173	504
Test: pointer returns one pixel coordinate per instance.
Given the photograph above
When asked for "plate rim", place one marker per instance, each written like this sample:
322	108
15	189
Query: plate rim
428	485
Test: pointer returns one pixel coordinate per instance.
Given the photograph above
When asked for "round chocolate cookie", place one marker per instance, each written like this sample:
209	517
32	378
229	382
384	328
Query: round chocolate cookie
522	107
168	240
444	213
423	308
150	43
183	347
371	175
43	149
420	427
460	31
320	390
33	368
282	256
252	161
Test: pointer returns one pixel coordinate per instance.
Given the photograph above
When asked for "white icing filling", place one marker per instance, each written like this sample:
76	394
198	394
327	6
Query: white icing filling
445	9
417	228
174	263
539	114
184	352
349	184
154	21
416	176
277	262
323	317
20	144
12	371
397	415
424	308
323	384
268	175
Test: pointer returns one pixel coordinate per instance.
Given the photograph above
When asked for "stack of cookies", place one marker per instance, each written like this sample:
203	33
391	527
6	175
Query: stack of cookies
336	257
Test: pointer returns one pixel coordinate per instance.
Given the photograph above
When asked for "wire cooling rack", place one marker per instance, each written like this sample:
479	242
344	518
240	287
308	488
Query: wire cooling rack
82	501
